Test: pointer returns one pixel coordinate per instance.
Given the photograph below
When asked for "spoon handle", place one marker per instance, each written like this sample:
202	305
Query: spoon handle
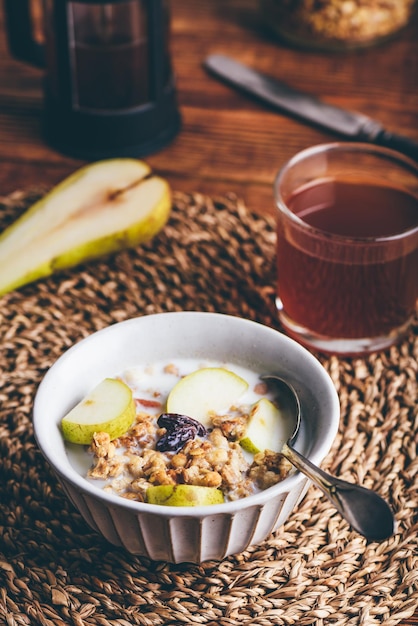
362	508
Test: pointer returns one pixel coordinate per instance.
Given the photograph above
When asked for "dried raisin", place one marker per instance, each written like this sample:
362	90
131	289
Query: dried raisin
178	430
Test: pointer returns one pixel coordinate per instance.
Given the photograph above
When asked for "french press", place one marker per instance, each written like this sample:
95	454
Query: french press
109	86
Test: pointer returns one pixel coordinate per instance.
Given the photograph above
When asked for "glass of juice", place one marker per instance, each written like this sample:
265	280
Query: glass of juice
347	247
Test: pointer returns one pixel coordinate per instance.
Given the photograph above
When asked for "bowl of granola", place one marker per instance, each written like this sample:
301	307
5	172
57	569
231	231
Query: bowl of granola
166	439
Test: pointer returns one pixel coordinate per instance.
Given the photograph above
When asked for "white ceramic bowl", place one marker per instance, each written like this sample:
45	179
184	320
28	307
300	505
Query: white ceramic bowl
184	534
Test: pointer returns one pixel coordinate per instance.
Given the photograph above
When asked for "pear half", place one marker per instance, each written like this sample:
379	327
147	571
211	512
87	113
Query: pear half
184	495
265	429
101	208
109	408
206	391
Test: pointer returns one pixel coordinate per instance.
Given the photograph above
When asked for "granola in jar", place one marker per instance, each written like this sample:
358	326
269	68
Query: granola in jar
336	24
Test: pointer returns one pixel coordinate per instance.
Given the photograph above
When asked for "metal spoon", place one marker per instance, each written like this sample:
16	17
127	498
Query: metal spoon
363	509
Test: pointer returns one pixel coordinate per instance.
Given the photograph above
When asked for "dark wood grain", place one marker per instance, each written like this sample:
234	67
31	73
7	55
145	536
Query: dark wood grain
228	141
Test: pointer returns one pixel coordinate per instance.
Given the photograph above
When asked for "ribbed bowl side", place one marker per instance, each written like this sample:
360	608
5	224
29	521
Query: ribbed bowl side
183	539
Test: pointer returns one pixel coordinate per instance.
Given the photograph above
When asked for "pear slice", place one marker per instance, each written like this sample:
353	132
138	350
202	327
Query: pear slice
101	208
109	408
184	495
206	391
265	429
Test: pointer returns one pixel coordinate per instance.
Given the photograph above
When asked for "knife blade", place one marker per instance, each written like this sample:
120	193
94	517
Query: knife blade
351	124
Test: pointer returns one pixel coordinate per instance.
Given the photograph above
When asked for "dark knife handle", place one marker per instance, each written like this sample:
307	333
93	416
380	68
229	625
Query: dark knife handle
398	142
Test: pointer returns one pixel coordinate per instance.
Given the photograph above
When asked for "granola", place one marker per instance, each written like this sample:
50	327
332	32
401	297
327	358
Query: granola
132	463
348	22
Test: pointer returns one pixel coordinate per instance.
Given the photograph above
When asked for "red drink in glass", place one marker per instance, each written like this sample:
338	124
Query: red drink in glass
347	249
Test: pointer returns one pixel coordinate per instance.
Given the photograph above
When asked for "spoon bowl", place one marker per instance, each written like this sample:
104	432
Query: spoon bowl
362	508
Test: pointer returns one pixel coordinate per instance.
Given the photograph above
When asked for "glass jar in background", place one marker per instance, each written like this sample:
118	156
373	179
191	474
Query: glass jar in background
336	24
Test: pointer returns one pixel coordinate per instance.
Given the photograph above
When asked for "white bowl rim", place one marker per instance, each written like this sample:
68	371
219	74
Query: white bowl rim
68	474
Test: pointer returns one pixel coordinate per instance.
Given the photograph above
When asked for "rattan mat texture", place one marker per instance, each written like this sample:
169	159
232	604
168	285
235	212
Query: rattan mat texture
213	255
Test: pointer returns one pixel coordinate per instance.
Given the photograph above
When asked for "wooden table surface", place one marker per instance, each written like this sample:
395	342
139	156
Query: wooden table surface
228	141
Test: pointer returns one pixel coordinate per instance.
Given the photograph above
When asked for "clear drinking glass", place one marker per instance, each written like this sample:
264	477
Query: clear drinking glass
347	247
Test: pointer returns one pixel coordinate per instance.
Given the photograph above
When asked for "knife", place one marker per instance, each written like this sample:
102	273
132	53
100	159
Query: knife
350	124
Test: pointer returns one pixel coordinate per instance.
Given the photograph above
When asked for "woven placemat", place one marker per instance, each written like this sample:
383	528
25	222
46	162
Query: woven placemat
213	255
